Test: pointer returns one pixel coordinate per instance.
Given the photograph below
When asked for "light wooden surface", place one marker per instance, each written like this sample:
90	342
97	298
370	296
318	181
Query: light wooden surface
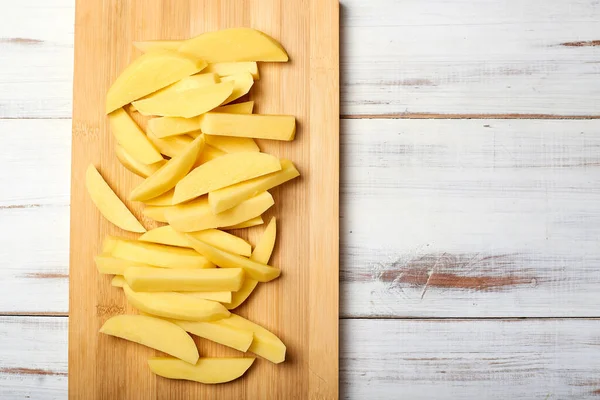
452	192
302	306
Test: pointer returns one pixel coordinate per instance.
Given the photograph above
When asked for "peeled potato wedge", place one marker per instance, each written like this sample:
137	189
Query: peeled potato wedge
274	127
246	224
222	240
170	146
140	78
165	199
230	196
107	202
118	281
157	254
265	343
169	174
230	144
255	270
224	171
157	213
208	154
233	68
231	337
175	305
206	370
138	168
238	108
107	264
221	297
131	137
153	332
186	103
197	215
151	45
141	279
236	44
262	253
242	84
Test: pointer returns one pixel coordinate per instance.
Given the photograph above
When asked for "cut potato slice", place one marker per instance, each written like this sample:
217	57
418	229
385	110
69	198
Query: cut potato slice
175	305
221	297
214	237
158	255
108	203
239	108
171	146
233	68
262	253
186	103
230	144
242	81
224	171
197	215
157	213
255	270
143	279
206	370
228	197
275	127
208	154
107	264
235	44
140	78
132	138
155	333
246	224
238	339
118	281
265	343
138	168
165	199
151	45
169	174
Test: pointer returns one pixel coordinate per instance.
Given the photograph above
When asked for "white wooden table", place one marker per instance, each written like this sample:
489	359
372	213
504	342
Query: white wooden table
470	198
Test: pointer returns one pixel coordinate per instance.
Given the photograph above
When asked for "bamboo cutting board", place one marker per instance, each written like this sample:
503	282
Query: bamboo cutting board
301	307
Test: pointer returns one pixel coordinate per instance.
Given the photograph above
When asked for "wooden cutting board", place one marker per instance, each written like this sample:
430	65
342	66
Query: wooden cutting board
301	306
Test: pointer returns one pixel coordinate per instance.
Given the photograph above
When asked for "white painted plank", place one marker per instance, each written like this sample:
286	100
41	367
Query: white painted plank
379	359
439	56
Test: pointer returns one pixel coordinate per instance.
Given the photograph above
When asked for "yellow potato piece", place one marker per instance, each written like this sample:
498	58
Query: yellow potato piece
262	253
175	305
171	126
165	199
131	137
255	270
151	45
236	44
265	343
169	174
157	213
246	224
221	297
231	337
198	216
140	78
275	127
108	203
107	264
230	196
230	144
157	254
206	370
232	68
108	245
209	154
186	103
143	279
171	146
224	171
214	237
242	81
138	168
118	281
155	333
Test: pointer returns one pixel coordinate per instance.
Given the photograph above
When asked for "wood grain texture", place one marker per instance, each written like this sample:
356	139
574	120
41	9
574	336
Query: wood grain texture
307	210
379	359
438	57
